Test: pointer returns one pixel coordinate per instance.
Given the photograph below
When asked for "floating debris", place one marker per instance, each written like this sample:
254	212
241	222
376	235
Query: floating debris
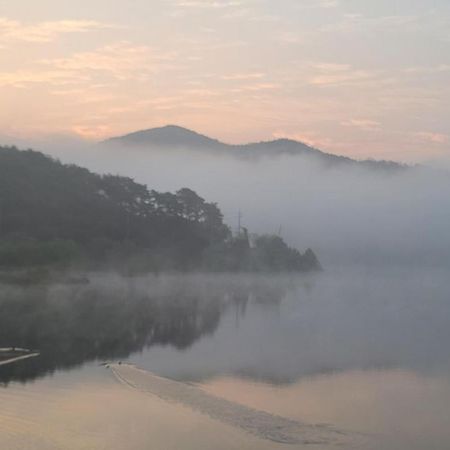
13	354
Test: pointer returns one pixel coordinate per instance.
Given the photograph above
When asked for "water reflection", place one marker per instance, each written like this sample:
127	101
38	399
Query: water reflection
113	317
333	323
194	327
366	352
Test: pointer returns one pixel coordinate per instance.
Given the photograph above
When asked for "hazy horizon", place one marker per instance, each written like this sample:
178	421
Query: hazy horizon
353	78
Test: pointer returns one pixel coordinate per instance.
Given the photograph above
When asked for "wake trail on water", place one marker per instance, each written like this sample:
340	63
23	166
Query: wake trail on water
259	423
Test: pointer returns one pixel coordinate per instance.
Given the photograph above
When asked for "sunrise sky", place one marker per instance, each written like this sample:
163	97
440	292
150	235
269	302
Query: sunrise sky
364	78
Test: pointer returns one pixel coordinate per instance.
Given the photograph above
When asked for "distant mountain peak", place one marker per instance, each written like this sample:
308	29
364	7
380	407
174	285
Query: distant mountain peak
180	137
166	136
284	141
171	129
177	137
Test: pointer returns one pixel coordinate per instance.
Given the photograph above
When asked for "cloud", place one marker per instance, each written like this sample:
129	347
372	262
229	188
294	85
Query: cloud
164	103
433	138
13	30
256	87
201	92
330	74
120	61
362	124
243	76
288	37
441	68
23	78
328	3
91	132
207	4
332	67
359	23
322	4
253	14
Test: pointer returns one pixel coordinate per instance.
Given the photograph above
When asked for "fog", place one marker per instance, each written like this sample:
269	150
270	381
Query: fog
333	322
273	328
347	214
362	350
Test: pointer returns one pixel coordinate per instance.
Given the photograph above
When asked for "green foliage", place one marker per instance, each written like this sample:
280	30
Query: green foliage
272	253
42	200
268	253
30	252
51	213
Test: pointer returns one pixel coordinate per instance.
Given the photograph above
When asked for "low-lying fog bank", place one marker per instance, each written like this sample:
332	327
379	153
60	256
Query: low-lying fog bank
348	215
278	328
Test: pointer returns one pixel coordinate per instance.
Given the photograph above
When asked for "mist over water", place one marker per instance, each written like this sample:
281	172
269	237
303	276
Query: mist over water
275	328
334	322
358	346
347	347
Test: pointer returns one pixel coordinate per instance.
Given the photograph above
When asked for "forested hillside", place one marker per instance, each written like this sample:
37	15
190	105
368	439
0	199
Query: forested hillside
51	213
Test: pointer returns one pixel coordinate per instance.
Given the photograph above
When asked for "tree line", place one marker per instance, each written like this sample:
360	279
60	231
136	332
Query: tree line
58	214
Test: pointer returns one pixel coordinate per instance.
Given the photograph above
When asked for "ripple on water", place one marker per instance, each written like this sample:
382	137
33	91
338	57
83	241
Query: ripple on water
259	423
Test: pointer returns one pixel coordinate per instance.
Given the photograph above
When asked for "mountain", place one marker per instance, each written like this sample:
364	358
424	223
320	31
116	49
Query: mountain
175	137
170	136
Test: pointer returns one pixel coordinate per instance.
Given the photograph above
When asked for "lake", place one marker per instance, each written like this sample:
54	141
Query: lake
348	358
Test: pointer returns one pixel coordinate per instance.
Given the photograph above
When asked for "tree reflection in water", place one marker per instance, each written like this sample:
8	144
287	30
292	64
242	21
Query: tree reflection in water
113	317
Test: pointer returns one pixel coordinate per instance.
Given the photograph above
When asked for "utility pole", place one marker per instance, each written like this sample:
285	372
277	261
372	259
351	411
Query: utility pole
239	222
127	225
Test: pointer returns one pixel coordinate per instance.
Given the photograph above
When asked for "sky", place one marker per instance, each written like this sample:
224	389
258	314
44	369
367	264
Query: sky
363	78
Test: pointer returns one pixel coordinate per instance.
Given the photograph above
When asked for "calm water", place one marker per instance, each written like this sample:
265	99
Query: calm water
363	351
